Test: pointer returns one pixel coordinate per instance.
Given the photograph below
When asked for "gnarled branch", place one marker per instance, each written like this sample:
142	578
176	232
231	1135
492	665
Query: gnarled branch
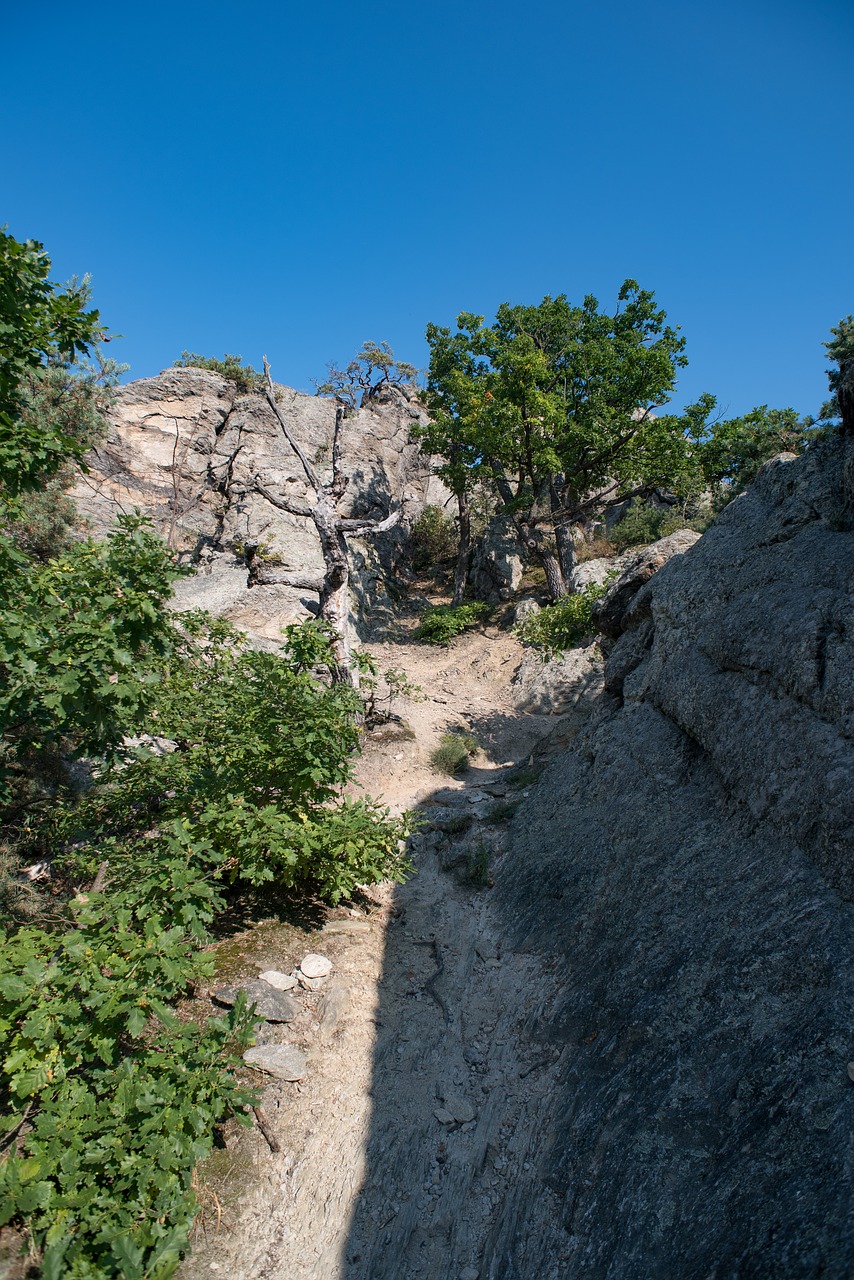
311	474
361	528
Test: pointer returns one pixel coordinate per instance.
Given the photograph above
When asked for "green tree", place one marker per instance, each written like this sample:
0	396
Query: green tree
840	348
372	370
555	405
42	327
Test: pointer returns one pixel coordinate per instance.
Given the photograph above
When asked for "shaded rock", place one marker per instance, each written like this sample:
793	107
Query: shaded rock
460	1108
443	1116
688	870
283	1061
610	615
272	1005
573	680
497	562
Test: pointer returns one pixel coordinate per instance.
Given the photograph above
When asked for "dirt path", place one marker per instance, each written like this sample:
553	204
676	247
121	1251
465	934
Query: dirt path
412	1125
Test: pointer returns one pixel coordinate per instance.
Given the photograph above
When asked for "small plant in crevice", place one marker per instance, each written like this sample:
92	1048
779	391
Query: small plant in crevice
442	622
502	812
453	752
477	871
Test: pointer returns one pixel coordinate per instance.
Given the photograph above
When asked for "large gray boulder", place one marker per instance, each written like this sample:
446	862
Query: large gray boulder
687	874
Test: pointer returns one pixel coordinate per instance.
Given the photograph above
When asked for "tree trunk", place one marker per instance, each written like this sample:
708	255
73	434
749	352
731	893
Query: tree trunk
334	594
567	555
554	576
461	573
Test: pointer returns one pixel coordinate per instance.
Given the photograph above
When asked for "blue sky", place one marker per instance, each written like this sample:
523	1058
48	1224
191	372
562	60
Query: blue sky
293	179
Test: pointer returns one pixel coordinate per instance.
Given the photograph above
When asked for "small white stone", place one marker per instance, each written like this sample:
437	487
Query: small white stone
315	966
281	981
444	1117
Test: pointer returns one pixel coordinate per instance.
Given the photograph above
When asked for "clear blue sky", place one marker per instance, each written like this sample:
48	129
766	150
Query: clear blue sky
252	177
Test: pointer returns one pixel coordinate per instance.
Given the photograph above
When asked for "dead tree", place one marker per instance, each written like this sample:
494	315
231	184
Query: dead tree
332	529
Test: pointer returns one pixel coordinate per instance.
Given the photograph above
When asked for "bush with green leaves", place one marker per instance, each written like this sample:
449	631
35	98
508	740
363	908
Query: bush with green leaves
109	1098
433	538
561	625
244	377
442	622
453	752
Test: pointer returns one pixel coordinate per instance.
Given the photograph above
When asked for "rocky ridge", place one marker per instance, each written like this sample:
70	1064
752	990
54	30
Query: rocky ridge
187	449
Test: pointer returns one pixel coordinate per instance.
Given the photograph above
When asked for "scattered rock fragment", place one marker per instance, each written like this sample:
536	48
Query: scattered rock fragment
272	1005
315	966
280	1060
333	1006
443	1116
310	984
460	1109
281	981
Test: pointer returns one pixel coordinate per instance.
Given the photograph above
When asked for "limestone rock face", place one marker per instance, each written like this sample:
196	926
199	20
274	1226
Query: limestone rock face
186	449
689	870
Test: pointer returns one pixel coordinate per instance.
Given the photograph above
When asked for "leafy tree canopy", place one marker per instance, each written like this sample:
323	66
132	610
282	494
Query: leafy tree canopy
555	403
41	327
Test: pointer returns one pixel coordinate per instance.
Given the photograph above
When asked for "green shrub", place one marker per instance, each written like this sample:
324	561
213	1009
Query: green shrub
442	622
433	538
562	624
453	752
244	377
108	1098
640	525
264	751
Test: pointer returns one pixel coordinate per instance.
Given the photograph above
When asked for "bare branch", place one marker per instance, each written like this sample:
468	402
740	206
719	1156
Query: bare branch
340	415
361	528
273	577
270	394
293	506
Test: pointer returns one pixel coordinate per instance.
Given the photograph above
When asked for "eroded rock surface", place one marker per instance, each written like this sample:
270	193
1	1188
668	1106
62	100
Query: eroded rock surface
187	449
689	868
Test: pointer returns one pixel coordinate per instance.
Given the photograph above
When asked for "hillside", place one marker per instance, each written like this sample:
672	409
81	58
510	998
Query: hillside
630	1056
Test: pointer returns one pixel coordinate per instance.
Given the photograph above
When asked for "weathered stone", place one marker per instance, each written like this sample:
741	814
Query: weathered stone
333	1007
611	614
281	981
460	1108
688	871
274	1006
596	572
281	1060
443	1116
315	966
351	927
571	681
186	448
497	562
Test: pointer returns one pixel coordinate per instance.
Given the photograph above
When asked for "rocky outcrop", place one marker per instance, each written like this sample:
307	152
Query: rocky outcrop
188	450
634	570
686	873
497	564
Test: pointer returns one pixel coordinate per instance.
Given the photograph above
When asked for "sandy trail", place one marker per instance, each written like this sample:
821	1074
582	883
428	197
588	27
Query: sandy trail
412	1125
